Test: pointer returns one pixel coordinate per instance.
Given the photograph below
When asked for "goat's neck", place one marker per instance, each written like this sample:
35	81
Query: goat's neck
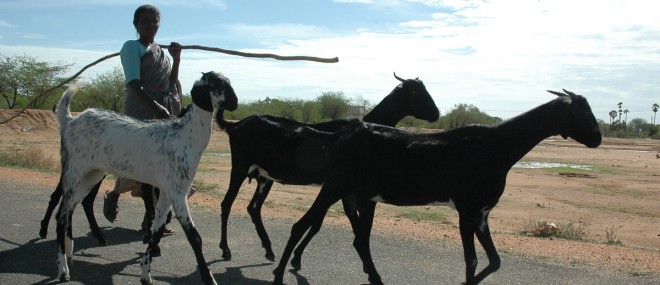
385	113
199	124
521	134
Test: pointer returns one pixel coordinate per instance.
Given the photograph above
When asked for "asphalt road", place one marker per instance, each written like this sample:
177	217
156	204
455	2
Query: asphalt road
329	259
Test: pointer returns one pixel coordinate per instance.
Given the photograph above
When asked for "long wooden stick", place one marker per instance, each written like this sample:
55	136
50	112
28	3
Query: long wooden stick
198	47
260	55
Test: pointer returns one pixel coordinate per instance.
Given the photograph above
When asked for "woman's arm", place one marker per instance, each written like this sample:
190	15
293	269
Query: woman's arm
175	51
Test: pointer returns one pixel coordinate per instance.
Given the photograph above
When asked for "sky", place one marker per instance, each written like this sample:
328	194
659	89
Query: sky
500	56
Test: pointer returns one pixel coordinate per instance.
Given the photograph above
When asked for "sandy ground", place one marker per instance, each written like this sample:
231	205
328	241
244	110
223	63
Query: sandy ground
618	193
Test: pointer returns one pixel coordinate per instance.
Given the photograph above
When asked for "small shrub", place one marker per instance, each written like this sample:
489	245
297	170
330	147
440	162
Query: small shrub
203	187
611	237
28	158
570	231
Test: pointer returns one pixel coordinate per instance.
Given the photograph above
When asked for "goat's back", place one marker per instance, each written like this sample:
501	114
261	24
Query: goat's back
414	166
275	145
131	148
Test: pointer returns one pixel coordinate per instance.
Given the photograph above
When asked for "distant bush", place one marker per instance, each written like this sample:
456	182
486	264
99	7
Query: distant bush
28	158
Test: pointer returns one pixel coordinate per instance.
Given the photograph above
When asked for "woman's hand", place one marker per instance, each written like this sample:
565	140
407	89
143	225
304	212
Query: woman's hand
175	50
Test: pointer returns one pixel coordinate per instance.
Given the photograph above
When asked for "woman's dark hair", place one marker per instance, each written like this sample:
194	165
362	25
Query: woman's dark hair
141	10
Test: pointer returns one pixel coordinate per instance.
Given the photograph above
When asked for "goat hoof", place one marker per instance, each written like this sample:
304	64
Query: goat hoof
377	282
155	251
279	278
209	281
270	256
110	207
43	232
296	263
64	277
100	238
226	255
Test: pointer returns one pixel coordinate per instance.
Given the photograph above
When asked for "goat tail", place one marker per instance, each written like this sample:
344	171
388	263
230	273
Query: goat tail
222	123
62	109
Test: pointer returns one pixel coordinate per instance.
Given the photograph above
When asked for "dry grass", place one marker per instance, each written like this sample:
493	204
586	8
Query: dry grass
569	231
32	158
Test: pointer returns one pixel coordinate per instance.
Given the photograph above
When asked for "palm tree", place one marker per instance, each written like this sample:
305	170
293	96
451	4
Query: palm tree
612	116
619	104
655	110
625	121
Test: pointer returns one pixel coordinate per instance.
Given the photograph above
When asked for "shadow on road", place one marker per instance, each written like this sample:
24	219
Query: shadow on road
38	258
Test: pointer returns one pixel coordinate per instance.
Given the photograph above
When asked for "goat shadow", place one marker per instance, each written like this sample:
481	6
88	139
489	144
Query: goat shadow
36	258
113	235
234	275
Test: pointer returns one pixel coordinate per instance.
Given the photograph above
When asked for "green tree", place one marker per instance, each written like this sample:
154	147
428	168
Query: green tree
654	108
639	126
106	91
307	111
466	114
334	105
23	78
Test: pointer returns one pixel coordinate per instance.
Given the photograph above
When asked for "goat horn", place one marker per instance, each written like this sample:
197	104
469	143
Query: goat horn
571	94
556	93
399	78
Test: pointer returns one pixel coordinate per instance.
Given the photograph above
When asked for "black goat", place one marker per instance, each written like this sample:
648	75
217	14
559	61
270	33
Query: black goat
269	149
465	168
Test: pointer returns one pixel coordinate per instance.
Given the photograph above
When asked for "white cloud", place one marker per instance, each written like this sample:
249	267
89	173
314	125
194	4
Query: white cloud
4	24
272	33
500	56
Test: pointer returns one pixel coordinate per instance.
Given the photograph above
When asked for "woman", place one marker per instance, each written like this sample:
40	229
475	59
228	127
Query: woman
153	91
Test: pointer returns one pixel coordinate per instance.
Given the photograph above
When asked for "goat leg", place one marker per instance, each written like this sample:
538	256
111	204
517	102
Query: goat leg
148	193
88	207
466	227
62	266
235	181
314	216
494	262
254	209
362	237
54	200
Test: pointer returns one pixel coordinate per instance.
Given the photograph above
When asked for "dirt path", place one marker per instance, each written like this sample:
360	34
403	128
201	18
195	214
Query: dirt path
618	194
